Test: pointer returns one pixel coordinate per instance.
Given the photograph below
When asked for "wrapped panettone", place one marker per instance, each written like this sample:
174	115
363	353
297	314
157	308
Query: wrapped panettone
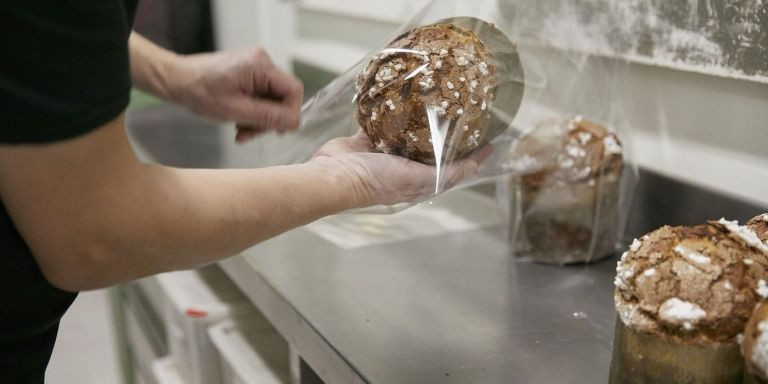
432	84
568	210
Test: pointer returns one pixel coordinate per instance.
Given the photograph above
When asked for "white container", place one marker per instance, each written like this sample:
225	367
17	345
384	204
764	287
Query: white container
165	371
143	352
251	353
198	299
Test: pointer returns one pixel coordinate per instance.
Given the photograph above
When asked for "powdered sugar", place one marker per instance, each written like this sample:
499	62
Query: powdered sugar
762	289
525	164
385	74
474	138
745	234
626	312
623	274
681	312
584	137
566	163
624	257
691	255
427	83
383	147
483	68
612	146
649	272
635	246
575	151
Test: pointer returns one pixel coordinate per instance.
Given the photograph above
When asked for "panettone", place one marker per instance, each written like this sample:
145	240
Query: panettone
696	284
684	296
431	88
565	202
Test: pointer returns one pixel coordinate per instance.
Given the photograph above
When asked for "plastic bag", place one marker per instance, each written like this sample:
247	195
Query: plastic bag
433	100
458	78
568	198
573	207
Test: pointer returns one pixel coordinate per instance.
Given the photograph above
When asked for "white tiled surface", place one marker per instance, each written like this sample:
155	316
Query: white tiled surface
85	351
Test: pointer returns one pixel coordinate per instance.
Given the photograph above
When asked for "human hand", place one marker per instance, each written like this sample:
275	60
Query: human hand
242	86
379	178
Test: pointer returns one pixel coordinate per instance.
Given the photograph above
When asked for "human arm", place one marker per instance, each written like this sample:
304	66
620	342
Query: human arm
242	86
93	215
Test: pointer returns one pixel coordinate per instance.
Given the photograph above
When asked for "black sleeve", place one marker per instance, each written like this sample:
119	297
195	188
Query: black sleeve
64	67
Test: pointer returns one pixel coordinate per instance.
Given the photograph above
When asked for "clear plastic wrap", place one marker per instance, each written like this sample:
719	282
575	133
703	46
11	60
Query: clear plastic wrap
446	88
570	207
460	80
569	193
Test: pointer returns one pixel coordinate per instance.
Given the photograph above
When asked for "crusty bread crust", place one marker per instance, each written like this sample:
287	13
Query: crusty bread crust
432	84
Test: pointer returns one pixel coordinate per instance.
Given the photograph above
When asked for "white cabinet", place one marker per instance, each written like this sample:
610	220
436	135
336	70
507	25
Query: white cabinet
165	321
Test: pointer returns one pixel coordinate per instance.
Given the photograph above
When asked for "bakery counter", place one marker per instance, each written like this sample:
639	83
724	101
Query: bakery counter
431	297
447	307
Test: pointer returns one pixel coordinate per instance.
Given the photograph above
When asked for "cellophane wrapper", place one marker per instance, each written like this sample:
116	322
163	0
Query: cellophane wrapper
533	81
569	193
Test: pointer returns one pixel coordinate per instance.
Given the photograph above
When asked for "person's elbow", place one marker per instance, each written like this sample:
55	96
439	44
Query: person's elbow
82	267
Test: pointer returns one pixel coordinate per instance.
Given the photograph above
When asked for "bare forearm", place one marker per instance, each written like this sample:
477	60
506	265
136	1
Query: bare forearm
93	215
185	218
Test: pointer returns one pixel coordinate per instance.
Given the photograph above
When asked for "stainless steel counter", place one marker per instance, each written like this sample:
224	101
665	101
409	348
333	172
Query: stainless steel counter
447	308
452	308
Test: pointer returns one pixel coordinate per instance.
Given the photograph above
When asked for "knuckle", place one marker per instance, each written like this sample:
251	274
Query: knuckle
260	56
257	52
293	121
273	119
297	86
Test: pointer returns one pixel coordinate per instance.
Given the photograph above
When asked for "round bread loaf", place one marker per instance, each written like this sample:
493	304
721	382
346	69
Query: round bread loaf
432	87
692	284
587	151
754	346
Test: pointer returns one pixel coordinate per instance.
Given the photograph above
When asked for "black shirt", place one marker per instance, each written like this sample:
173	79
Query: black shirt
64	71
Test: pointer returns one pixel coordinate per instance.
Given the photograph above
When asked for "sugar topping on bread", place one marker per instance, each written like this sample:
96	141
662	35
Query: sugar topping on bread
759	225
695	284
434	77
586	152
